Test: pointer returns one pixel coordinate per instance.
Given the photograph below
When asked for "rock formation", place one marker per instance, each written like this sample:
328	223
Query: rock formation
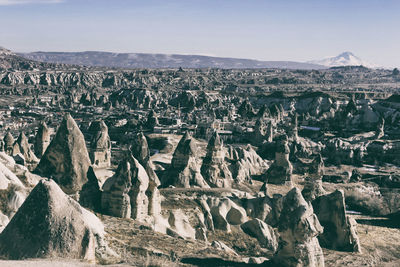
379	133
298	228
245	162
22	146
214	169
339	228
124	194
223	247
7	177
154	197
50	224
184	170
3	221
152	120
205	208
293	130
281	169
225	212
260	133
264	233
12	194
22	172
179	223
9	143
140	150
356	176
269	132
90	195
313	182
42	139
246	110
66	159
100	145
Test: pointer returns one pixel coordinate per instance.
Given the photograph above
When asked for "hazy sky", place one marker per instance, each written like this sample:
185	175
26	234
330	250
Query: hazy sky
298	30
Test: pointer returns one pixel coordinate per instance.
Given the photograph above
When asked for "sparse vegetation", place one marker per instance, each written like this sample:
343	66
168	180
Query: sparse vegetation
366	203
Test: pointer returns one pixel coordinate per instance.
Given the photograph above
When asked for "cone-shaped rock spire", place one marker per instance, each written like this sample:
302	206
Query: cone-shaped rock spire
66	160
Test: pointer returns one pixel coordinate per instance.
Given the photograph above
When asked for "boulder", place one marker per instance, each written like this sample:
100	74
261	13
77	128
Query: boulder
225	212
339	228
50	224
298	228
264	233
66	159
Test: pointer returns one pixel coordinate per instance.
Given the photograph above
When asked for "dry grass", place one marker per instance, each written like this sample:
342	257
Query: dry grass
243	244
380	246
138	245
365	203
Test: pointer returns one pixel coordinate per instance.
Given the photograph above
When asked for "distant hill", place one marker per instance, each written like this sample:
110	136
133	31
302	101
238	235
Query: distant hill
142	60
11	61
344	59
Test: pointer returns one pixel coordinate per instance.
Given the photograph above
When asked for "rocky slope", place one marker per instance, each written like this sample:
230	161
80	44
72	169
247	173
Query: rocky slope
11	61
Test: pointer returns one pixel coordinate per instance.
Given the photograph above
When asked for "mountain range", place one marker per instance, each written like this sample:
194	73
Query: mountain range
143	60
41	60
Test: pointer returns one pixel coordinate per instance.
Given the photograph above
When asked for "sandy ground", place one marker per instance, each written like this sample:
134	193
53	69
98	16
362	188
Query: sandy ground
48	263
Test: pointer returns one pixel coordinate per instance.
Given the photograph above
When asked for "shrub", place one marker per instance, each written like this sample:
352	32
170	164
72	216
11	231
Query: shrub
366	203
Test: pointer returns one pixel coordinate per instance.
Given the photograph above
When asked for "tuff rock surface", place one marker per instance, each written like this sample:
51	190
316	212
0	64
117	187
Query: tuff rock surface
215	169
66	159
51	224
298	228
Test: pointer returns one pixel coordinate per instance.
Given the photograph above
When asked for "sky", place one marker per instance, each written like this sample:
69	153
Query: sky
297	30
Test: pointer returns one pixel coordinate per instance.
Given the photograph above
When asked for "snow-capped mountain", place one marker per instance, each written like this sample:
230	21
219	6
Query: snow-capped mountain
344	59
